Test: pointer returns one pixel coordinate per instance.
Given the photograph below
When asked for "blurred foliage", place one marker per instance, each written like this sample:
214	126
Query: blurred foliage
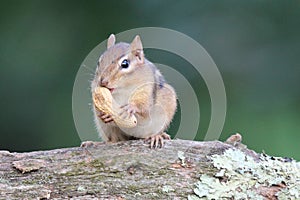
255	45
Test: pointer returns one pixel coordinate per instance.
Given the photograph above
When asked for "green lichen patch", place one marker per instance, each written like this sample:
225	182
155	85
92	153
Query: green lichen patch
239	176
167	189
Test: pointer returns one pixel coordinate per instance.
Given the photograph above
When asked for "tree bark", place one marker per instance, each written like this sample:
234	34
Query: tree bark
125	170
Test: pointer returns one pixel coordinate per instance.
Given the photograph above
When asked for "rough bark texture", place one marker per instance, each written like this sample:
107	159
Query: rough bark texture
126	170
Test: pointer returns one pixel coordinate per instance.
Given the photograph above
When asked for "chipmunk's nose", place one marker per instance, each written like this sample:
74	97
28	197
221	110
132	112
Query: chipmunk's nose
103	82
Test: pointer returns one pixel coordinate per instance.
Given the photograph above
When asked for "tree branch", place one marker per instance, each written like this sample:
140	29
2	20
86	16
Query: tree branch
125	170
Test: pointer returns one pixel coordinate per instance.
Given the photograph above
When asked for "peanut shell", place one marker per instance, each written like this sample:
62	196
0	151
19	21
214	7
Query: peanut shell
105	103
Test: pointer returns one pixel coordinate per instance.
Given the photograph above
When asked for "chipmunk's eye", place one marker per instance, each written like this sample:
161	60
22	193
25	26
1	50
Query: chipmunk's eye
125	63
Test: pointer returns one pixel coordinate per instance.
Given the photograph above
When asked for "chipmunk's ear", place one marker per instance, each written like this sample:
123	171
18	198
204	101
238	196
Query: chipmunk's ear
111	40
136	47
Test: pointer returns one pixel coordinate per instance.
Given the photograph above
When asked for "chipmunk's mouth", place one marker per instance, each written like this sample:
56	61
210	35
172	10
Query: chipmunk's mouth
111	89
104	83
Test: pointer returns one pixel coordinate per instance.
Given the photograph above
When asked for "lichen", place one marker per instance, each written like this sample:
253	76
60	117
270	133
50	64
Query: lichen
181	157
167	189
239	176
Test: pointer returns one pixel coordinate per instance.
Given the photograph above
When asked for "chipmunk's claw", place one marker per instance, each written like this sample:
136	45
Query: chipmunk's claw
106	118
157	141
127	111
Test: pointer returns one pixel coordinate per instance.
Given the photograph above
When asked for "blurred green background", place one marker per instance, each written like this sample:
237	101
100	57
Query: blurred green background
256	46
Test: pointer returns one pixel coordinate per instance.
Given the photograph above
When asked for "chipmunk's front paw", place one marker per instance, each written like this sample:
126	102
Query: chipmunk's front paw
158	140
128	110
106	118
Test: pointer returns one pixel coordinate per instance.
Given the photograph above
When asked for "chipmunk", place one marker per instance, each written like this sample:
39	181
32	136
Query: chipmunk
139	89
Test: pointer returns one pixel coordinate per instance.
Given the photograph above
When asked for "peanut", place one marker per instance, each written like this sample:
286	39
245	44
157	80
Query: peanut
105	103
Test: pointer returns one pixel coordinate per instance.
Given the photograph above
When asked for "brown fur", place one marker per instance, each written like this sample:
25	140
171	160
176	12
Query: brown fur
139	89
